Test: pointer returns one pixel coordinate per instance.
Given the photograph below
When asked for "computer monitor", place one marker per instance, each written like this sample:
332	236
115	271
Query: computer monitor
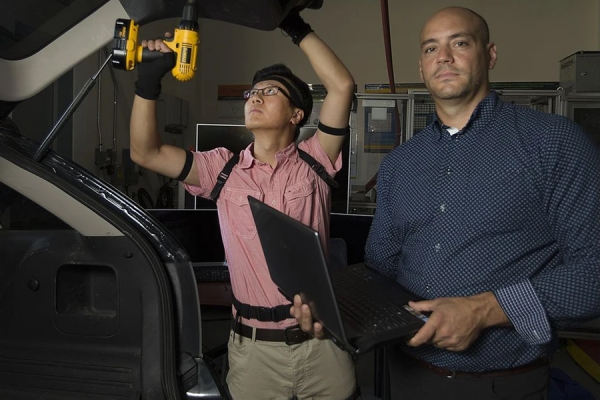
232	137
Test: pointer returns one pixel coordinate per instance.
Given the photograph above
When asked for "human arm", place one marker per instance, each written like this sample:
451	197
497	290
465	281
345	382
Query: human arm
566	293
456	322
559	246
335	77
147	148
384	243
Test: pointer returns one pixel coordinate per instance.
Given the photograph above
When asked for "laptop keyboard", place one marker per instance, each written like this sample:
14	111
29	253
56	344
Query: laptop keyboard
373	316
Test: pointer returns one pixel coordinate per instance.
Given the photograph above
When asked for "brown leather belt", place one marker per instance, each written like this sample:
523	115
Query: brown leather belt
448	373
291	335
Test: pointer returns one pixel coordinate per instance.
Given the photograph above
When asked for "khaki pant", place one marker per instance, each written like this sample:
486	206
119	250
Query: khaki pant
315	369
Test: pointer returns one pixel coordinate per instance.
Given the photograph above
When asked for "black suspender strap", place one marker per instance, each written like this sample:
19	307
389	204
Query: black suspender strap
314	165
272	314
318	168
280	312
223	176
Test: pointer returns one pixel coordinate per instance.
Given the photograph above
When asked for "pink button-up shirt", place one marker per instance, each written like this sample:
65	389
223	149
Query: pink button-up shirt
291	187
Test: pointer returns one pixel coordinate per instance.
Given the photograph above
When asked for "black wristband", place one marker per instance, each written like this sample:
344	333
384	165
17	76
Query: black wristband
150	74
298	36
295	27
148	88
333	131
187	167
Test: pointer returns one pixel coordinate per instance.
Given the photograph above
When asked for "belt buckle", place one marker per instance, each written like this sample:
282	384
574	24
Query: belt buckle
298	335
268	313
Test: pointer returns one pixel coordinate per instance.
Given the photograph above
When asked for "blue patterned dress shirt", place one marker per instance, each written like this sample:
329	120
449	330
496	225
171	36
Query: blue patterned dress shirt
510	204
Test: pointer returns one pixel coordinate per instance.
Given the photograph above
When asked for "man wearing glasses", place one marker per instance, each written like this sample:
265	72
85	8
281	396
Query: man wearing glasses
269	356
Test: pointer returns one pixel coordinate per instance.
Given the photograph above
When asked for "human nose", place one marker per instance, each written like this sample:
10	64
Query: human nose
257	97
444	54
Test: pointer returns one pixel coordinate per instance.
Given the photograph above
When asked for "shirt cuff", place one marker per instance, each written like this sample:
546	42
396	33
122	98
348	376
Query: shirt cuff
525	311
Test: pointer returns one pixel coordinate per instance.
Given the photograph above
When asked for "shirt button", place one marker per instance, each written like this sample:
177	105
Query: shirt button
449	170
443	208
437	247
273	202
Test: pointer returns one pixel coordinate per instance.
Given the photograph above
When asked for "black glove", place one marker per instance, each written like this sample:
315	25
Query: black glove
151	73
295	27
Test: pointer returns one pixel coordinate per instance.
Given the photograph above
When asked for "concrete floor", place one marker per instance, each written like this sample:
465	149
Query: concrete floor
216	324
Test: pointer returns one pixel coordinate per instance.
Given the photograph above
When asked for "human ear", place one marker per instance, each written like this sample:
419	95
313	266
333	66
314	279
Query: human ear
297	116
493	55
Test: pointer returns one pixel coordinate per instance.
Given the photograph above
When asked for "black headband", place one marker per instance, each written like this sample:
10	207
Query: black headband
293	91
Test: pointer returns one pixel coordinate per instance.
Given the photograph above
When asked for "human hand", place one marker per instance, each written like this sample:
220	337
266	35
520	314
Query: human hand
158	44
456	322
150	73
295	27
304	317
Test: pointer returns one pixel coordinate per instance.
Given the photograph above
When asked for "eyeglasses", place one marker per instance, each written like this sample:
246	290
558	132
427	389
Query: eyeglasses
266	91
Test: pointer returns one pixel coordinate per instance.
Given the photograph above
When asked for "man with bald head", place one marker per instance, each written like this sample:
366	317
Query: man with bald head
492	214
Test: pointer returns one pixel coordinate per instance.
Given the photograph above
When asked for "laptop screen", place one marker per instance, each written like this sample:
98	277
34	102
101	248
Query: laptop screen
297	263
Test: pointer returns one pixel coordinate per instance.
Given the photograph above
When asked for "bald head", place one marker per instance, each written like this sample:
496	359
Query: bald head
456	56
471	19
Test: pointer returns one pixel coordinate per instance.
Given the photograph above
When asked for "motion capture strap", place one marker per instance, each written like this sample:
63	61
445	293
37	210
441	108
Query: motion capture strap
333	131
189	160
237	319
271	314
223	176
295	27
318	168
314	165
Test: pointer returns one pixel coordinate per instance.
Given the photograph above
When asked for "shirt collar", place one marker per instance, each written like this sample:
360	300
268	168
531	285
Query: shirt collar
247	157
481	116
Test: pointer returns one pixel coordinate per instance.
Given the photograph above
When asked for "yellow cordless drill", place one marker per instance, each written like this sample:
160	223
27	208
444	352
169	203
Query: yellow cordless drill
127	52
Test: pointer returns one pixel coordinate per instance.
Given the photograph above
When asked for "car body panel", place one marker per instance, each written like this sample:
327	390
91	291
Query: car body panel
24	77
111	309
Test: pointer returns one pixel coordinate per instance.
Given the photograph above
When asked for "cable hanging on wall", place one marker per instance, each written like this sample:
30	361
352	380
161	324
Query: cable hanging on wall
385	22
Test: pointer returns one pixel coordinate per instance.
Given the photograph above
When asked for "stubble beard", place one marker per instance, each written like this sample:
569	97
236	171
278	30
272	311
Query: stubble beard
453	90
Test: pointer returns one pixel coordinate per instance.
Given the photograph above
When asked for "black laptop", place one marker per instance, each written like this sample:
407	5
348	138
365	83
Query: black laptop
359	308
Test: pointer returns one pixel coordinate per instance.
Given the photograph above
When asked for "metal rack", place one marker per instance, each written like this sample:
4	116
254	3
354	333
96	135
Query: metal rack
421	107
416	110
584	109
375	135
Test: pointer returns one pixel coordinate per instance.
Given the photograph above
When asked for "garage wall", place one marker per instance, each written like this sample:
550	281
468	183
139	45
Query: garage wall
532	36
